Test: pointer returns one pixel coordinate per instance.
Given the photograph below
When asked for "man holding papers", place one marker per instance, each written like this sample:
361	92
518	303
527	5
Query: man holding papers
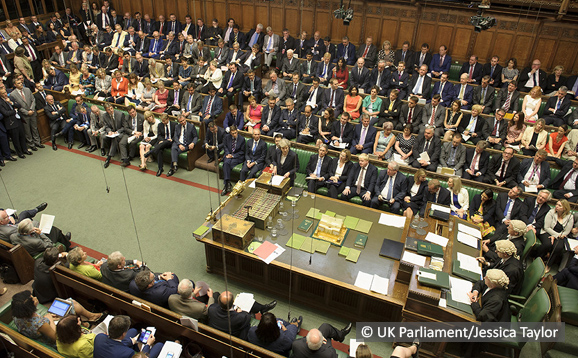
318	169
436	194
33	240
534	172
392	187
426	151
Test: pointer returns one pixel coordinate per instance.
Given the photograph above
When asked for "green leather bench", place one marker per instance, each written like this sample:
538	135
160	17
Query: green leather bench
569	301
455	69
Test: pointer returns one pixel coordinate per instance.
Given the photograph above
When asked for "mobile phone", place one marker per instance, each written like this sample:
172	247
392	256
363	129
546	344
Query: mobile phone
169	355
144	336
279	323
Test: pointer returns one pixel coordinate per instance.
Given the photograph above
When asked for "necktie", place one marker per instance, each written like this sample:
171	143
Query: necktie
362	137
471	74
22	95
270	43
495	131
84	118
474	161
167	132
161	29
390	188
426	146
105	19
309	68
506	105
219	55
441	61
117	39
252	86
492	71
379	77
462	90
233	145
235	39
532	217
173	26
294	91
558	104
318	170
399	76
253	39
31	51
482	100
231	80
189	103
534	80
199	33
176	99
568	176
359	70
365	52
433	115
325	71
507	208
134	123
441	88
208	109
360	179
331	99
421	59
269	117
409	115
502	170
311	96
345	57
182	136
403	56
417	88
254	147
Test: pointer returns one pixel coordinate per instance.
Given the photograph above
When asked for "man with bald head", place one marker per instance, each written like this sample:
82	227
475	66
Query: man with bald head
317	343
220	312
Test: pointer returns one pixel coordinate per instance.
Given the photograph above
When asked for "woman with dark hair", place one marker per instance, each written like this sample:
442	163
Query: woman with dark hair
70	341
516	128
40	35
352	102
510	72
341	72
51	33
482	211
32	325
404	144
274	334
324	127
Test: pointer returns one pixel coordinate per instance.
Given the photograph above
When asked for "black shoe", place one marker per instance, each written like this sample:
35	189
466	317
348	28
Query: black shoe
269	306
28	152
210	160
70	145
91	149
11	158
107	162
147	154
41	207
225	191
2	163
159	172
172	171
345	331
40	146
416	344
33	148
54	147
125	163
299	322
82	145
102	152
21	156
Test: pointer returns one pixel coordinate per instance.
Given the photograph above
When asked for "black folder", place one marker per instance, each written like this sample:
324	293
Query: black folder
391	249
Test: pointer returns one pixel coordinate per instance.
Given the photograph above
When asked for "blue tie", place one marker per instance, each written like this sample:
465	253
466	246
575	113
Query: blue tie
318	170
507	207
189	103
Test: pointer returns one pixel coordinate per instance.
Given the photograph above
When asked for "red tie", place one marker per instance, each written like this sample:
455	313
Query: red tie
507	103
31	53
365	52
409	115
161	29
471	71
473	167
433	114
566	179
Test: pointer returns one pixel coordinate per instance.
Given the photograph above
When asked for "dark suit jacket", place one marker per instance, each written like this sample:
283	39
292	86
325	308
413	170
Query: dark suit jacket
502	131
417	198
530	204
435	63
409	58
476	74
290	67
482	161
260	152
426	86
339	98
369	137
257	87
9	113
321	67
560	113
443	199
433	151
301	350
481	128
559	179
290	166
392	115
48	111
6	64
325	165
426	60
384	79
313	124
161	130
416	115
348	131
349	50
355	79
118	279
501	98
299	94
524	77
489	98
518	211
544	171
397	82
219	319
370	57
210	138
222	57
496	76
511	170
143	44
447	93
237	81
171	98
238	120
106	347
260	38
240	40
489	209
99	21
40	101
344	172
216	107
275	116
159	293
239	150
399	189
313	70
316	99
468	94
370	178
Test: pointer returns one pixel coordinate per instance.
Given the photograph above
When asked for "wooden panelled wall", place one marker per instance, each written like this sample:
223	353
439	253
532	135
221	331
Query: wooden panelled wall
520	36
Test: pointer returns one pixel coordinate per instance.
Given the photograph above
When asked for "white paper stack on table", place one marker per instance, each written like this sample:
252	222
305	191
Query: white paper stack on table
459	289
469	236
437	239
443	209
277	179
371	282
392	220
414	259
469	263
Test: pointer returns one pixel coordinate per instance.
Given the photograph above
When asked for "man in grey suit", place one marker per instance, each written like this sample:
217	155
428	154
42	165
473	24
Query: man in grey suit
115	126
433	116
23	96
508	98
192	101
368	52
133	135
8	222
128	64
484	95
270	46
96	129
59	57
290	65
186	301
274	88
454	155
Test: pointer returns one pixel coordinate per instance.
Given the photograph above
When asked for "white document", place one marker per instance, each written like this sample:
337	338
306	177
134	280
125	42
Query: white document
443	303
467	239
428	275
103	326
252	185
244	301
171	347
465	138
363	280
515	147
10	212
46	223
531	189
114	135
459	290
278	251
277	179
475	232
353	344
424	156
340	145
414	259
380	285
469	263
572	243
392	220
131	138
436	239
443	209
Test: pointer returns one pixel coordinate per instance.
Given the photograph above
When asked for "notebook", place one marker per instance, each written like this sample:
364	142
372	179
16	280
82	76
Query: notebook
391	249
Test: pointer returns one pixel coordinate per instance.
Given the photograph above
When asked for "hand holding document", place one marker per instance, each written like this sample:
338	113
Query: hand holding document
277	179
460	289
46	222
424	156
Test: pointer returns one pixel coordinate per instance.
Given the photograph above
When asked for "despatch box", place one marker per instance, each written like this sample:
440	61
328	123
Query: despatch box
234	232
264	181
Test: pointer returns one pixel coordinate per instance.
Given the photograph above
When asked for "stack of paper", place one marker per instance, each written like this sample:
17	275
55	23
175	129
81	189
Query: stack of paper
469	263
460	289
268	251
244	301
437	239
413	259
467	239
392	220
371	282
277	179
475	232
46	222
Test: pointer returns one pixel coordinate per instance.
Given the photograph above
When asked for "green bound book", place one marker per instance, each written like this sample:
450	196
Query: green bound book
441	280
465	274
458	305
344	251
360	241
429	249
305	225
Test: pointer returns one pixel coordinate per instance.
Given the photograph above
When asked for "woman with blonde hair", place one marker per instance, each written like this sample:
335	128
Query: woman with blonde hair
554	81
416	189
534	138
150	132
146	97
102	83
531	104
73	79
213	75
558	223
459	199
384	142
386	54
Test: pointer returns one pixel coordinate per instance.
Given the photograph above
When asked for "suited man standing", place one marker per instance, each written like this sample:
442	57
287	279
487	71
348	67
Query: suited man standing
453	154
368	52
128	150
536	210
184	140
433	117
166	131
473	69
6	70
535	171
565	183
317	169
464	92
503	169
498	129
254	156
234	154
333	97
116	125
363	137
214	141
361	181
13	125
484	95
391	188
476	164
557	107
435	194
430	144
507	98
476	127
270	117
23	96
420	84
494	70
531	77
212	106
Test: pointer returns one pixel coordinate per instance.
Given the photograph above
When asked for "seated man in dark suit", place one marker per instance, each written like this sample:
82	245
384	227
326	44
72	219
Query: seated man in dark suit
184	140
318	169
378	77
359	74
232	82
445	89
536	210
341	133
56	80
166	131
117	274
436	194
508	207
361	181
476	165
473	69
270	117
531	77
317	343
508	98
557	107
272	151
333	97
234	155
494	70
368	52
565	183
534	171
235	322
391	188
430	144
119	342
212	106
157	290
235	117
498	128
400	80
464	92
308	68
252	86
420	84
410	113
254	156
453	155
475	128
390	110
568	277
313	96
286	161
288	120
307	127
484	95
363	136
503	169
214	141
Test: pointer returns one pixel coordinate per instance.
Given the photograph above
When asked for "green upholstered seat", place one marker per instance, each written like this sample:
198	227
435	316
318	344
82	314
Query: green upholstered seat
532	276
455	71
569	301
530	243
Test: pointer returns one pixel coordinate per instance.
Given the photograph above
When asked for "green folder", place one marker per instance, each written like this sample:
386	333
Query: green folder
350	222
360	241
321	246
353	255
314	214
465	274
337	216
344	251
305	225
330	213
429	249
307	245
296	241
253	246
200	230
458	305
442	279
364	226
